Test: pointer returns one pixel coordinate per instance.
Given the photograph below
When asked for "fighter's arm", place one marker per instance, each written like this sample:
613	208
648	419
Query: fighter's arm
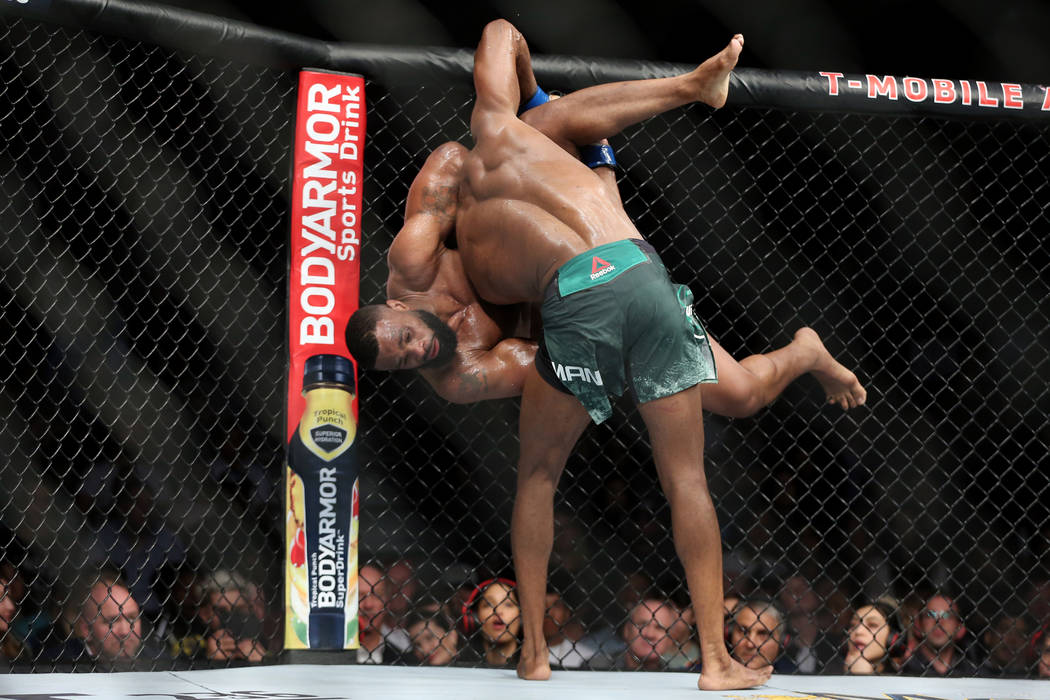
501	56
430	217
576	121
497	373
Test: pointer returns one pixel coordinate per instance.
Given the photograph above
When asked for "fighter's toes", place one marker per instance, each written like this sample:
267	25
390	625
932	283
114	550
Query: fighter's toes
729	55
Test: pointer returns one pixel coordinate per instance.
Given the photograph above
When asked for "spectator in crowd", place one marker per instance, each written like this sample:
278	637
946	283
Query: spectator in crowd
564	635
808	622
1006	641
875	640
101	622
273	629
494	613
181	623
607	637
835	613
12	593
135	538
1041	645
373	592
404	585
939	630
434	637
235	623
456	584
656	633
758	635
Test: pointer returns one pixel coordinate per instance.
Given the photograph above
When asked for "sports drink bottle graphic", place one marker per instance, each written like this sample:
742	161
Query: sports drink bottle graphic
321	456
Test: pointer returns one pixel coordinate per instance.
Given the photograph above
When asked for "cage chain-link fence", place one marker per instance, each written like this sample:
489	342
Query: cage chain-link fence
145	205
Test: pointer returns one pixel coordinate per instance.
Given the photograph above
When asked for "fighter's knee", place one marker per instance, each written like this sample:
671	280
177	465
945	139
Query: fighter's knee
500	27
751	402
736	398
542	468
682	485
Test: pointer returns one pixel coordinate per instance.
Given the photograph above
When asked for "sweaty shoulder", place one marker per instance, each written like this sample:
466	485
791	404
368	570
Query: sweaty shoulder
430	215
448	155
433	191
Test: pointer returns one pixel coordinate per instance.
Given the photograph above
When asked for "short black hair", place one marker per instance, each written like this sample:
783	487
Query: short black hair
427	610
361	338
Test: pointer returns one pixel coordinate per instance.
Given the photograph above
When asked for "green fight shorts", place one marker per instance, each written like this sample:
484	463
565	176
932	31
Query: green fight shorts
613	320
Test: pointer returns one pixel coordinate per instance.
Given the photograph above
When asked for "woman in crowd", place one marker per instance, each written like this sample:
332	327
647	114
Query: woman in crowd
873	639
493	611
12	590
1042	654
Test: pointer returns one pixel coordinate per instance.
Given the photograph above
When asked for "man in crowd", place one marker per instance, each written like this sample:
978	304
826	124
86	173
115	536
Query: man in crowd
939	630
101	623
1006	640
373	592
758	635
432	633
234	617
654	632
564	635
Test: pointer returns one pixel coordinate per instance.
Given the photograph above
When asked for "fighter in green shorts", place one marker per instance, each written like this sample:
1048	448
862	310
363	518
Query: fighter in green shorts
523	209
613	320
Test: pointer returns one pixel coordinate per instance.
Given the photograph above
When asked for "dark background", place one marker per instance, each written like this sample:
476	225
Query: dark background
918	247
975	39
954	39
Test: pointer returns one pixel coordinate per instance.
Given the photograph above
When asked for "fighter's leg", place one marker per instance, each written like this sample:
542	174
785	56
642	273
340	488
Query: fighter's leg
754	382
598	112
678	444
550	424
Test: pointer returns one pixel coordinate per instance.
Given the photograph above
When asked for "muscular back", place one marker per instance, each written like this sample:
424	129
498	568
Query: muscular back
526	206
426	274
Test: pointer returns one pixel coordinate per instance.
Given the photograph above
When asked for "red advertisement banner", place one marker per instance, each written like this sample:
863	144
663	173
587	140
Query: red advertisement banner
321	477
326	222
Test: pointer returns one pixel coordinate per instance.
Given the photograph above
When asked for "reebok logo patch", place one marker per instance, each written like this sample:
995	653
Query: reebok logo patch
600	267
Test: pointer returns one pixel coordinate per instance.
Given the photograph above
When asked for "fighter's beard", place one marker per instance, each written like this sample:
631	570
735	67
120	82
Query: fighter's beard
445	336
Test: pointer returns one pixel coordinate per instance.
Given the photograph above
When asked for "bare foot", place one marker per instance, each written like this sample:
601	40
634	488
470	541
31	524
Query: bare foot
735	676
841	385
712	75
534	668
